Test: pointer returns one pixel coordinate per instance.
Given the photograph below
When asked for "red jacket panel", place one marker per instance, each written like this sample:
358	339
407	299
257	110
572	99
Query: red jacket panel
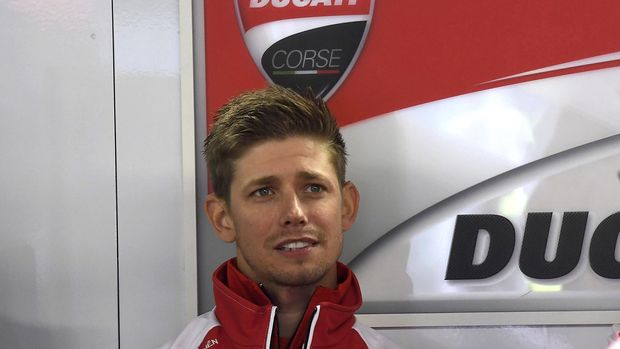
244	317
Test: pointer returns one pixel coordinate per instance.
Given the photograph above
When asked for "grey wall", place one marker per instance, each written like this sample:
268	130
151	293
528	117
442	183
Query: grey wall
92	232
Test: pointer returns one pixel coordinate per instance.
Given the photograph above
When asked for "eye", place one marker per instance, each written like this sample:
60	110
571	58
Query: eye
262	192
315	188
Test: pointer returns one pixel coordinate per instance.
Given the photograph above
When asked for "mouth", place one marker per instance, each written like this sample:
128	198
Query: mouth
295	245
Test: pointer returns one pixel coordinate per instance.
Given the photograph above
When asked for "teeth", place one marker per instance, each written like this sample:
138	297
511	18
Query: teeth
294	245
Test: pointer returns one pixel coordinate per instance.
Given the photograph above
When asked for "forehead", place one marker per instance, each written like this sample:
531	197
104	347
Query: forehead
286	157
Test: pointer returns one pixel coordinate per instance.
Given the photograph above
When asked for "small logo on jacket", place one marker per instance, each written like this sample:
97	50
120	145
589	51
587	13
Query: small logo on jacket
305	43
208	343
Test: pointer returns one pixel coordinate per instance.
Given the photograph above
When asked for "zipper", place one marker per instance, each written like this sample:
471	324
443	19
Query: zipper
272	320
315	318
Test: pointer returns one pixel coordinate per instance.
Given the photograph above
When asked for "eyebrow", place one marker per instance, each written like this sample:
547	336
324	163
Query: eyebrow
270	180
310	175
262	181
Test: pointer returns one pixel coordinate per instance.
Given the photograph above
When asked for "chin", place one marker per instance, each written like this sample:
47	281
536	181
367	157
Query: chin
301	276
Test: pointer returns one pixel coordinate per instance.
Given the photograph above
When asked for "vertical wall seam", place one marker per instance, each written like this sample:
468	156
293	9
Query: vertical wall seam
188	158
118	293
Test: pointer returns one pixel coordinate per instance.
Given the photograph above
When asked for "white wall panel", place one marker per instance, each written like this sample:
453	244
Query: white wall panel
155	301
62	252
504	337
57	205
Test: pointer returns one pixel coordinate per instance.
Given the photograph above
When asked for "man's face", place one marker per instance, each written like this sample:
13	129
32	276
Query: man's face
287	213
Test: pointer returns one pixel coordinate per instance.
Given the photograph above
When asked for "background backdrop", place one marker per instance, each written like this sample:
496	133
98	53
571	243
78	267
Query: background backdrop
505	115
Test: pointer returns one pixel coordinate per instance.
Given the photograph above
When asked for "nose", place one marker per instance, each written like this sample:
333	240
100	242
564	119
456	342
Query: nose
293	211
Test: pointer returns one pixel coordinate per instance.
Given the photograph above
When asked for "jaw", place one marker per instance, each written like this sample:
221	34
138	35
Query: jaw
299	268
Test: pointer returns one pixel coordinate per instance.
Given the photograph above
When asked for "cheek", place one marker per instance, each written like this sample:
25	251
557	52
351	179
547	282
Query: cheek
255	226
328	217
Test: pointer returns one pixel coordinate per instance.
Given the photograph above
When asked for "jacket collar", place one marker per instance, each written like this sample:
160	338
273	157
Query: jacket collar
244	310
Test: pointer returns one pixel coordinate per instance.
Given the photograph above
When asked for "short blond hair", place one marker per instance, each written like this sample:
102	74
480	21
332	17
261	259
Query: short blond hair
272	113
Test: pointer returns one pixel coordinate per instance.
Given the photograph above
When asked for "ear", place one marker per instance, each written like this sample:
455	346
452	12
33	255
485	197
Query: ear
350	205
217	211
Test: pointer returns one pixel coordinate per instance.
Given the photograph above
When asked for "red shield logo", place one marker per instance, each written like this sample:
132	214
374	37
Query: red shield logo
305	43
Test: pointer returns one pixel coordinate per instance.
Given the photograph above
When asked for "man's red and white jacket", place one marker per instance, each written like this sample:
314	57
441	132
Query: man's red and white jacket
244	317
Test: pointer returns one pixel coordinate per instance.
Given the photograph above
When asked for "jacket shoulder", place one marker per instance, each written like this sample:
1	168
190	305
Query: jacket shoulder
372	338
195	331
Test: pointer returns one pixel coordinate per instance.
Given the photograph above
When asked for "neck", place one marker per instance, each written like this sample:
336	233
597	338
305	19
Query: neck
292	303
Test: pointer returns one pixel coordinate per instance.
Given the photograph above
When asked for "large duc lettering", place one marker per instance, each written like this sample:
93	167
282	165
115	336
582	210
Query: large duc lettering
603	248
461	264
532	261
536	238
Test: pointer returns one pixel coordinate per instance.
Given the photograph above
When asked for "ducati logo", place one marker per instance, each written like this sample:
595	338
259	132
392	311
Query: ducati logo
305	43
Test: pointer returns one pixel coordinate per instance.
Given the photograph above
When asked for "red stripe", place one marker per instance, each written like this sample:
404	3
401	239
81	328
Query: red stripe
332	71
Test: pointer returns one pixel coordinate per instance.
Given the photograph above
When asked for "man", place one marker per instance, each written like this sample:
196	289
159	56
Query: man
277	165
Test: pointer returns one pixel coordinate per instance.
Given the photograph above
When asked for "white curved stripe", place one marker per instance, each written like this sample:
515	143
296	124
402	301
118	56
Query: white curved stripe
578	63
474	136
